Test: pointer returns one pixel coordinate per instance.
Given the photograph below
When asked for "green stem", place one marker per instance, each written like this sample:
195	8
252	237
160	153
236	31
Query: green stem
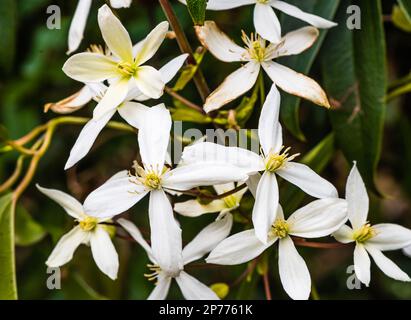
262	87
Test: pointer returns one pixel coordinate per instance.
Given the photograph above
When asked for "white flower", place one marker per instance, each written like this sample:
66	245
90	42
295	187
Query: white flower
370	239
407	251
130	111
274	160
266	22
90	231
193	208
168	263
317	219
258	55
124	70
78	24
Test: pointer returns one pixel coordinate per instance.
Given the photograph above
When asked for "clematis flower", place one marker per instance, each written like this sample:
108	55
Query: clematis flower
78	24
266	22
124	70
129	110
90	231
274	160
193	208
370	239
162	273
256	55
317	219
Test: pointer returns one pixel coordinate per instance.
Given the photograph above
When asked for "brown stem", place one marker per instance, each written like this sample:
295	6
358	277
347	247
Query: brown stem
183	100
185	47
250	269
13	178
267	286
320	245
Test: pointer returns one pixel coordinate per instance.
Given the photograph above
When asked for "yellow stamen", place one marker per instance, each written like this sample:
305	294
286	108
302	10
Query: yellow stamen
126	68
276	161
364	234
280	228
231	201
88	224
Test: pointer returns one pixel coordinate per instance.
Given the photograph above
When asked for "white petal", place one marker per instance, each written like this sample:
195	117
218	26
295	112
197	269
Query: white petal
236	84
171	68
160	292
362	264
269	127
266	23
149	81
154	137
86	139
223	188
165	233
226	4
239	248
90	67
390	237
114	197
192	289
407	251
319	218
64	250
114	34
386	265
120	3
133	112
219	44
344	234
78	24
357	198
308	180
252	183
207	239
295	42
149	46
294	273
70	204
291	10
296	83
72	103
136	234
202	174
193	208
266	205
104	253
113	97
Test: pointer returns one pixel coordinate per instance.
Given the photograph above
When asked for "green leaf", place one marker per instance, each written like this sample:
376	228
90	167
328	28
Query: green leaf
8	27
77	288
181	112
244	111
28	231
401	19
189	70
303	62
354	72
197	9
405	6
8	287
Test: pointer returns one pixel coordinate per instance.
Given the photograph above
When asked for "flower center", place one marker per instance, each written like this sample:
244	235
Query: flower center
280	228
88	224
276	161
256	46
155	271
364	234
151	178
126	68
263	1
231	201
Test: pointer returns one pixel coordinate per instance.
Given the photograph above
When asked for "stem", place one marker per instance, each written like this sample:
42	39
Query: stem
262	87
314	292
197	193
250	269
267	286
13	178
183	100
320	245
185	47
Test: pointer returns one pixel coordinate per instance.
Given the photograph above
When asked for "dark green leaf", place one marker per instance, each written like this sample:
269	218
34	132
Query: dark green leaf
28	231
401	19
8	27
197	9
406	8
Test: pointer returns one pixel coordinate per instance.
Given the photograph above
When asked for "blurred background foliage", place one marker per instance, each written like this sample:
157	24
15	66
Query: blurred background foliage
365	72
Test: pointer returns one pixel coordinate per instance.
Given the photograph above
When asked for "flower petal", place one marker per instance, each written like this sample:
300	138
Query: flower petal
266	23
266	205
120	3
70	204
236	84
86	138
407	251
72	103
90	67
166	240
133	112
154	137
202	174
226	4
296	83
239	248
362	264
307	180
78	24
171	68
269	127
344	234
207	239
319	218
192	208
252	183
296	12
390	237
114	34
115	196
161	289
192	289
219	44
149	81
386	265
104	253
357	198
294	273
64	250
149	46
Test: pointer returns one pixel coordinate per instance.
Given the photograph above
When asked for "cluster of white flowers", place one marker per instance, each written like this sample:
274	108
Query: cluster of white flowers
119	80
